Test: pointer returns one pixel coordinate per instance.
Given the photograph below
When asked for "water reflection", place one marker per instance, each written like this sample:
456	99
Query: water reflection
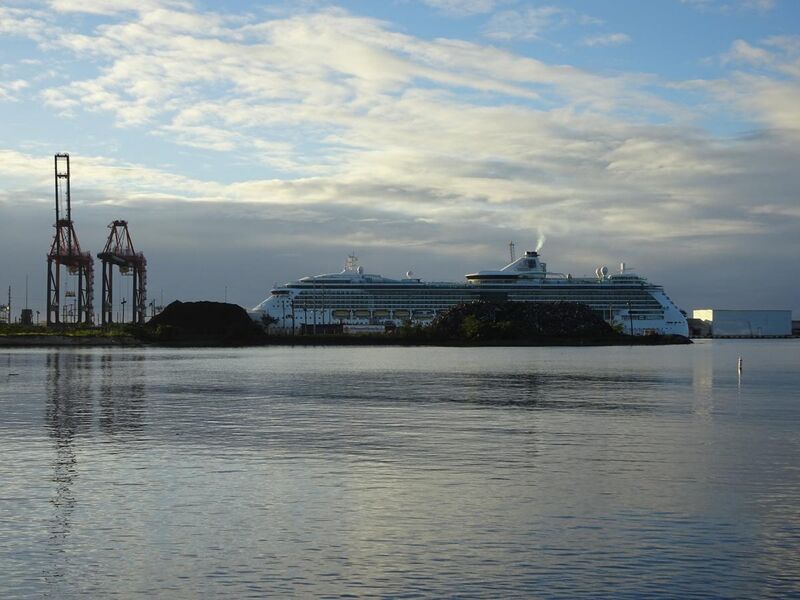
280	472
83	399
703	383
121	397
69	413
540	390
73	389
556	390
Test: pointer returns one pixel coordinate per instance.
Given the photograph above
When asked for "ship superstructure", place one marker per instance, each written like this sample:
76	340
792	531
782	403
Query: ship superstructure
357	300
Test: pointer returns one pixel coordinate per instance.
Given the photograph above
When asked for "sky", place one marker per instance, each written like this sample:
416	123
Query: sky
251	143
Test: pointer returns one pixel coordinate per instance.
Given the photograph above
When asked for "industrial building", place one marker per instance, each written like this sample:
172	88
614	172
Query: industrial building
721	323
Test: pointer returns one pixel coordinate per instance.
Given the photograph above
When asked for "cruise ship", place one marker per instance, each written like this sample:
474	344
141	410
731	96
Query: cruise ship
354	300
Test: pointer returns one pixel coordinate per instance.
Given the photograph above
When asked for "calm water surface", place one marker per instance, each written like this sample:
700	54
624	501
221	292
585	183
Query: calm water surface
401	472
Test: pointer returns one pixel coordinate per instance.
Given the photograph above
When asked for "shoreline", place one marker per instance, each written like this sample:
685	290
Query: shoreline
60	341
67	341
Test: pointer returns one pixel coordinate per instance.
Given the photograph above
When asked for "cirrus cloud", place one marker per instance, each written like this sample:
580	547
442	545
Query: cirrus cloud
611	39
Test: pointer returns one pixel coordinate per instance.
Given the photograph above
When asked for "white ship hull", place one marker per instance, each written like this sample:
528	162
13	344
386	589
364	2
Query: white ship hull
360	302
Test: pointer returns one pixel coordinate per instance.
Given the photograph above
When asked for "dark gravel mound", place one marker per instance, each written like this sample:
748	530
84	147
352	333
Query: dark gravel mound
497	321
208	320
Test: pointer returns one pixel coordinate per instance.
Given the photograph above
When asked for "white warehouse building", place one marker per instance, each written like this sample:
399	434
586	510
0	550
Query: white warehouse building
746	323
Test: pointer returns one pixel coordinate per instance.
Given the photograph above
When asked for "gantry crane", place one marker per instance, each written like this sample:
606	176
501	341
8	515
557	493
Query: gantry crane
119	252
66	251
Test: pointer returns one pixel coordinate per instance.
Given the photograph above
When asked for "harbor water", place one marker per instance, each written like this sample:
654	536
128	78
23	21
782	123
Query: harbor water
622	472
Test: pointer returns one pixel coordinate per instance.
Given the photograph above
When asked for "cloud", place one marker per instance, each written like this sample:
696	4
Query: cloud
526	25
18	22
789	44
349	127
731	6
778	55
391	124
773	103
10	89
766	83
611	39
759	5
112	7
742	52
464	7
792	212
531	23
196	78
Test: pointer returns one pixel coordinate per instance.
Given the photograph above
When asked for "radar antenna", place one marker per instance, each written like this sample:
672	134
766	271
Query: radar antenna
351	264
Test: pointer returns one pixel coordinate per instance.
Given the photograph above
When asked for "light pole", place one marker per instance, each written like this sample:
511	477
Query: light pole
123	302
630	316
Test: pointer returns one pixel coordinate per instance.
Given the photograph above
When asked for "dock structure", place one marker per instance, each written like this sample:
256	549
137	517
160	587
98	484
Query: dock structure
119	252
65	251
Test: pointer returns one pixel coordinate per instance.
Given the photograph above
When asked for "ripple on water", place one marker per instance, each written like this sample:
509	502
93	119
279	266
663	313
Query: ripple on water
400	472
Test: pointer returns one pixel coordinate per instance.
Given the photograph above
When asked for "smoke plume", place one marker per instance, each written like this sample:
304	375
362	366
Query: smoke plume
540	241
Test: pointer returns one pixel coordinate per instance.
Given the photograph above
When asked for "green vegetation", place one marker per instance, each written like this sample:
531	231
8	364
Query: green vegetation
111	331
527	323
489	322
496	324
472	324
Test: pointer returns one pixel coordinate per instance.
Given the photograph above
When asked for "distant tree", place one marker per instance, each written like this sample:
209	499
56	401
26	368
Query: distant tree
471	327
267	320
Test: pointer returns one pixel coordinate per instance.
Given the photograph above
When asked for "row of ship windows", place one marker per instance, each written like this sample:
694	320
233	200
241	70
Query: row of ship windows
308	316
383	303
450	299
477	293
634	309
504	285
603	309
